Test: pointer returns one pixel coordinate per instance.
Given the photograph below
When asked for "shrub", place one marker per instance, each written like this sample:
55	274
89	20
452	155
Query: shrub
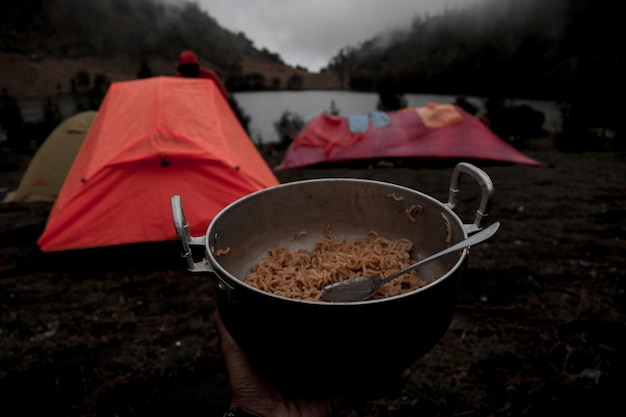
287	127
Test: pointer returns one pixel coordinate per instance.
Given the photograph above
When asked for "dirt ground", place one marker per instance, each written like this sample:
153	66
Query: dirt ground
539	330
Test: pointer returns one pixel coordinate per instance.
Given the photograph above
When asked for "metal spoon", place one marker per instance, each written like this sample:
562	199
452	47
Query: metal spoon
362	288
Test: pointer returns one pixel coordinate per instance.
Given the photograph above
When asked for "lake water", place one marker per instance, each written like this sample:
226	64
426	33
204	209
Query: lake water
266	107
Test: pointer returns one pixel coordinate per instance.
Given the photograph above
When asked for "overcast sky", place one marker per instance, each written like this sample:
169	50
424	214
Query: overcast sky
310	32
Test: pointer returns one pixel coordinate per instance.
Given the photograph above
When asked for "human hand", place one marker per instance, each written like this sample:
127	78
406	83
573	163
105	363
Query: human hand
254	395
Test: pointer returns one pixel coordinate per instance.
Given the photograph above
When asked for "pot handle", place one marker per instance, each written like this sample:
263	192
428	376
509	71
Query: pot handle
487	193
185	238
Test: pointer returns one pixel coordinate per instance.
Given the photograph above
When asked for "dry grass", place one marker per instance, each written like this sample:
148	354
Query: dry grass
539	329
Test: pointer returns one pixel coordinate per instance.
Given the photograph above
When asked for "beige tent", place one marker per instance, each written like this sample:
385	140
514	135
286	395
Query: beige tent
46	172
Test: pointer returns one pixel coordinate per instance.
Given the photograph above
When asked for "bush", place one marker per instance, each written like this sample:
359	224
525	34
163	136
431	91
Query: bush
288	127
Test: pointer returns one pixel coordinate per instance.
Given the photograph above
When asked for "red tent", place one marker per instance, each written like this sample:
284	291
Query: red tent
154	138
432	132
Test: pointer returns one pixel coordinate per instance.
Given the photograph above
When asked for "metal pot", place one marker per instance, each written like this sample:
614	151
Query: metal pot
309	346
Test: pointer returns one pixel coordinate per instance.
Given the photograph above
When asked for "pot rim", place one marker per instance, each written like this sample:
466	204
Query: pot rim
232	280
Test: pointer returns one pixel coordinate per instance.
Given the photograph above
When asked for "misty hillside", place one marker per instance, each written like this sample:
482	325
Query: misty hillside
44	43
567	51
110	28
529	48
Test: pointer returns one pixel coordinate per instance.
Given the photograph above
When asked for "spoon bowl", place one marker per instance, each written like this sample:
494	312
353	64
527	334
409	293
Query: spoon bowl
364	287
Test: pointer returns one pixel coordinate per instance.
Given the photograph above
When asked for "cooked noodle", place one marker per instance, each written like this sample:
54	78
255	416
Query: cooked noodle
409	213
221	252
395	197
301	274
300	234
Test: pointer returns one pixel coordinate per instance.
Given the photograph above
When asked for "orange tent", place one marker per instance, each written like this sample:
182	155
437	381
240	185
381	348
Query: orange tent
154	138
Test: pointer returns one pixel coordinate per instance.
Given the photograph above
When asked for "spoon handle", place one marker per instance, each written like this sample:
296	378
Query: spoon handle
465	243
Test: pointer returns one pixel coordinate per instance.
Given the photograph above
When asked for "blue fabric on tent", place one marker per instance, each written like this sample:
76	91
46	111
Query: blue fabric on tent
358	123
380	119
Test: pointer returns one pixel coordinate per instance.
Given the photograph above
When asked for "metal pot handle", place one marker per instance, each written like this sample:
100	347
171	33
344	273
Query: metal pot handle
185	238
487	193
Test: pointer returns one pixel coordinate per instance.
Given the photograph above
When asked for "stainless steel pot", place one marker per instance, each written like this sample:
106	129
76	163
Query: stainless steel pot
320	347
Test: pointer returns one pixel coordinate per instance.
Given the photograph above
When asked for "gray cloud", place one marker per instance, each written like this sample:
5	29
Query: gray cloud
310	32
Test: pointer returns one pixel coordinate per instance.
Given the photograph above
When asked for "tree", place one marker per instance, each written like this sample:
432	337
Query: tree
295	82
52	113
80	81
144	70
288	127
334	110
10	117
391	101
100	87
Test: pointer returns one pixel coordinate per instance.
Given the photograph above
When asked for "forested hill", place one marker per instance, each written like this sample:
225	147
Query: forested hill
541	49
44	39
568	51
109	28
518	48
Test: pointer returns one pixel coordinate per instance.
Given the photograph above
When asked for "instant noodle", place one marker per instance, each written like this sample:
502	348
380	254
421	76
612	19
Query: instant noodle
302	273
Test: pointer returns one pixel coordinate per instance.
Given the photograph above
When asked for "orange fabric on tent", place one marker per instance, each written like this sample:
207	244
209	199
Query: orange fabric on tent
154	138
